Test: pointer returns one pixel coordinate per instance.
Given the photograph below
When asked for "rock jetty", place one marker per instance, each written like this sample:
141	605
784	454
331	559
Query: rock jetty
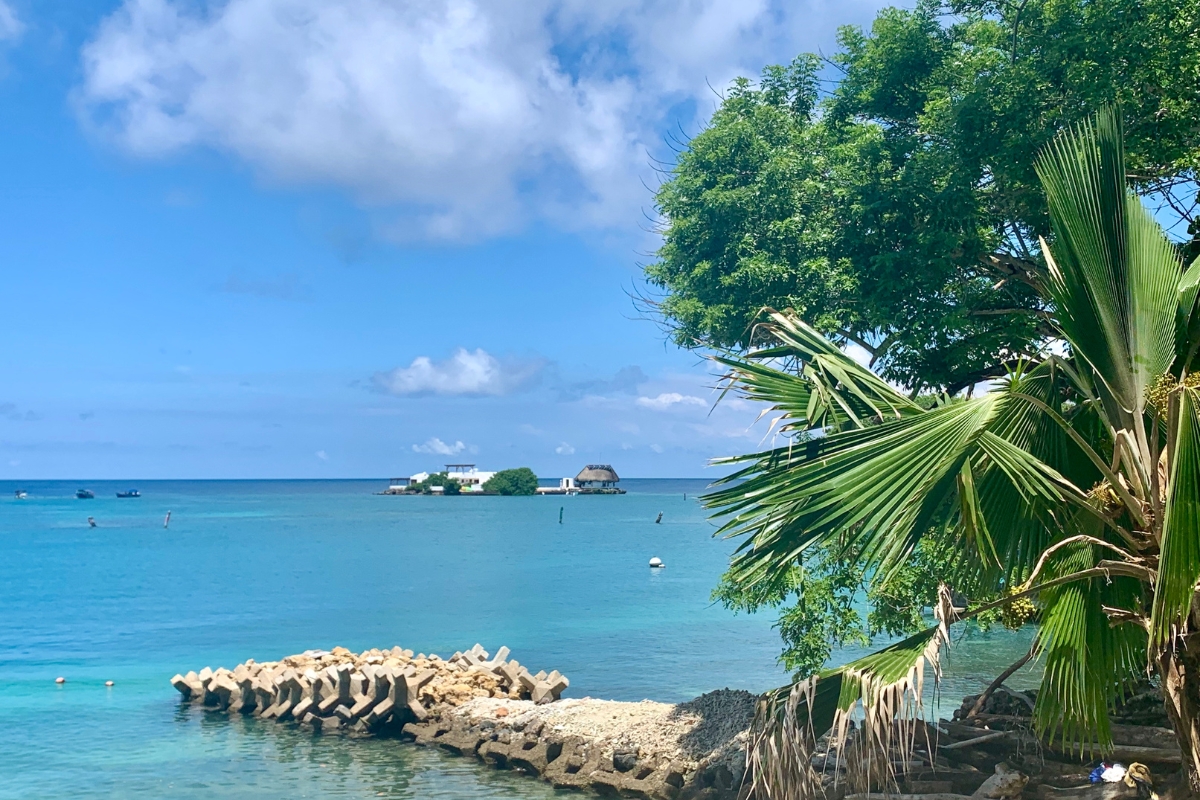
331	689
493	708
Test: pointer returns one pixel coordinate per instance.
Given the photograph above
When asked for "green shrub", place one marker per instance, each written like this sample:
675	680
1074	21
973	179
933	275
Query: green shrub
512	482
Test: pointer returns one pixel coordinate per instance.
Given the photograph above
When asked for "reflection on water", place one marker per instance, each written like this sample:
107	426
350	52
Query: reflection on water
268	759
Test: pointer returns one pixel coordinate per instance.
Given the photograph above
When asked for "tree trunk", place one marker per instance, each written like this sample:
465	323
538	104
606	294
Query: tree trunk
1180	672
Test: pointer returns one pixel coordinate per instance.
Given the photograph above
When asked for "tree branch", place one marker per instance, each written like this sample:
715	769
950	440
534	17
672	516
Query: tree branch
996	684
1106	569
1073	540
858	340
1027	272
992	312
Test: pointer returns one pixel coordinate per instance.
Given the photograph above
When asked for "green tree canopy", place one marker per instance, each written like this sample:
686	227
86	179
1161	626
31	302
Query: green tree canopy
449	485
1071	487
512	481
901	210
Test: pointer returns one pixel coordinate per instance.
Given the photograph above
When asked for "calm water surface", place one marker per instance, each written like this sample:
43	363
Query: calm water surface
260	570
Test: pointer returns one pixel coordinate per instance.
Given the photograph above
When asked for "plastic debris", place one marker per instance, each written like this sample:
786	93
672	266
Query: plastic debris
1107	773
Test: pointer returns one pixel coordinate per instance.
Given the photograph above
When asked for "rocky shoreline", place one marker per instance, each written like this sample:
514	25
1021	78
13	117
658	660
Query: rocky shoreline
493	708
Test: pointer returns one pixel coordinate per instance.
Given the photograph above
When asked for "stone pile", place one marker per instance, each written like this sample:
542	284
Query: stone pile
687	751
369	691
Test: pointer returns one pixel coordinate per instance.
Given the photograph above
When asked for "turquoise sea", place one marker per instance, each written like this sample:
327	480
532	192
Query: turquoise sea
262	569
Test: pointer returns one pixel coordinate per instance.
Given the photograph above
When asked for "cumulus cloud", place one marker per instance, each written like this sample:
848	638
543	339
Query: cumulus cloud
436	446
476	116
477	373
11	26
565	449
668	400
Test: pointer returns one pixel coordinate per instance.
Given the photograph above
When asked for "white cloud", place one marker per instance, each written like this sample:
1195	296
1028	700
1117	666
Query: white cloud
436	446
464	373
656	448
11	26
478	116
321	454
667	400
565	449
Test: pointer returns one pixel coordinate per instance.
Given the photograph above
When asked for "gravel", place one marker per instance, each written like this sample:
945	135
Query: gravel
712	725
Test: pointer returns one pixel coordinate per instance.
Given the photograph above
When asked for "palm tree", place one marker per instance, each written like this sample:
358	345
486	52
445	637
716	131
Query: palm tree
1073	483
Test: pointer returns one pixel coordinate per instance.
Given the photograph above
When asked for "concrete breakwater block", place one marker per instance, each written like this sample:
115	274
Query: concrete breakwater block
368	691
491	707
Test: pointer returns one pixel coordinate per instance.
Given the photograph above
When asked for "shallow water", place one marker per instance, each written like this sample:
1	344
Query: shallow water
261	569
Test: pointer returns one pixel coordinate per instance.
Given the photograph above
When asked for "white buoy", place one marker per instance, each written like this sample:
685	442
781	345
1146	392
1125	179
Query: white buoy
108	683
60	680
656	563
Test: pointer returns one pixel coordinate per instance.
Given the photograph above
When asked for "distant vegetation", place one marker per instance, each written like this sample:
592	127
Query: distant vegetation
512	482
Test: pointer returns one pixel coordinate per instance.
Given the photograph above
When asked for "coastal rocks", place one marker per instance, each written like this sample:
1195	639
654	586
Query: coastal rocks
366	692
656	750
492	708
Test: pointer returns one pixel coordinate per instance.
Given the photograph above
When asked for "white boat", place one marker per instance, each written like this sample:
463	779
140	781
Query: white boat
21	494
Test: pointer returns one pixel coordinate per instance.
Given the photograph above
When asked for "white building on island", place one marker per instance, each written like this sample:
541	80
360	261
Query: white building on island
469	478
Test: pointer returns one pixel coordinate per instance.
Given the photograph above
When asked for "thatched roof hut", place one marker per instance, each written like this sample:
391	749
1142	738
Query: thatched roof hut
596	475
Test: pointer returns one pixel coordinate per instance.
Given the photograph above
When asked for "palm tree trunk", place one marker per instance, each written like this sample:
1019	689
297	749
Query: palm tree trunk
1180	671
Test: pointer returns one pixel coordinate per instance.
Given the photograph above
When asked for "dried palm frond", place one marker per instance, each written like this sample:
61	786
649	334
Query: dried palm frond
871	709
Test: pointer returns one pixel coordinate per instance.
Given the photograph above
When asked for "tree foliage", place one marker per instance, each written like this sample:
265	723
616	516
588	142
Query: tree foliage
1074	483
901	211
520	481
820	601
449	485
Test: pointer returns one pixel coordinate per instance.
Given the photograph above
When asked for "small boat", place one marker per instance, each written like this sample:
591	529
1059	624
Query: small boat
21	494
130	493
85	494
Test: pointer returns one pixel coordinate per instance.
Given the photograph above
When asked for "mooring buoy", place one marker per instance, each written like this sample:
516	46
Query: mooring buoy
656	563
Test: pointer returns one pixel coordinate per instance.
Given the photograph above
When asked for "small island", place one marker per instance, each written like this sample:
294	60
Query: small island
465	479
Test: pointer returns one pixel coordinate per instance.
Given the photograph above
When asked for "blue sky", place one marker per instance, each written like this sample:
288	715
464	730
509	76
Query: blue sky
342	238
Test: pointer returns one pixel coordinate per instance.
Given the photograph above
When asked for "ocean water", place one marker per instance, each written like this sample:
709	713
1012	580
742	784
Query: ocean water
262	569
